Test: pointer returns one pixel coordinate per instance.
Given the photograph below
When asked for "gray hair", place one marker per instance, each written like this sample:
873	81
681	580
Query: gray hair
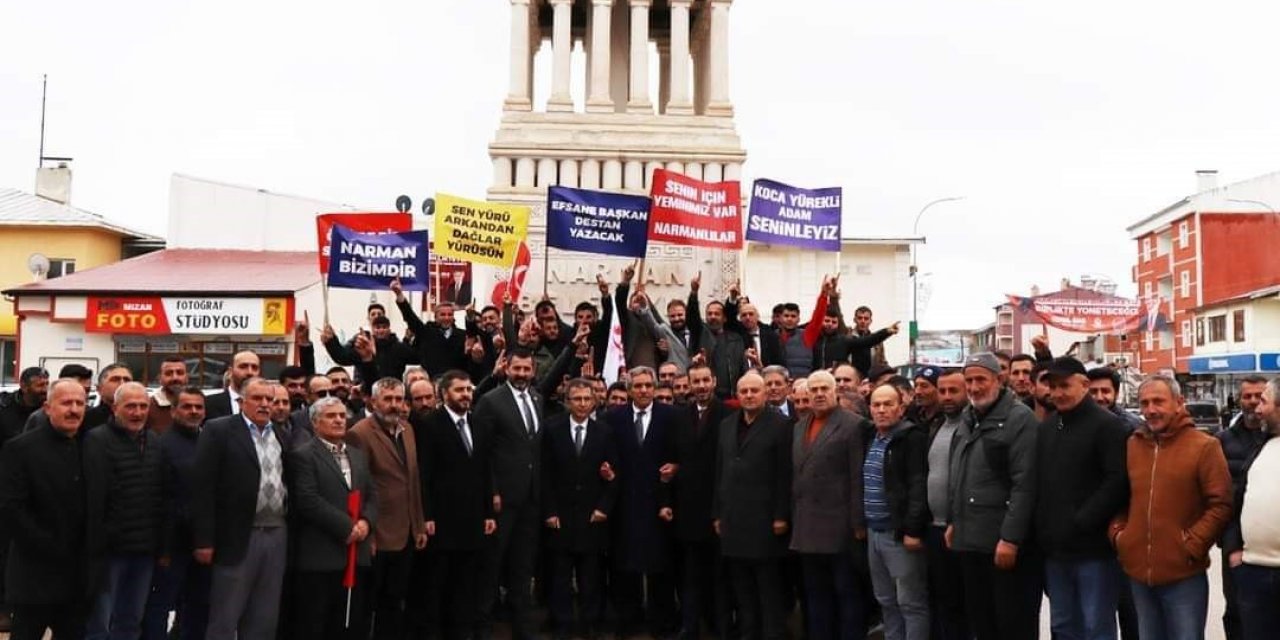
412	369
125	388
776	369
386	383
1273	386
821	375
640	371
1168	381
319	406
244	387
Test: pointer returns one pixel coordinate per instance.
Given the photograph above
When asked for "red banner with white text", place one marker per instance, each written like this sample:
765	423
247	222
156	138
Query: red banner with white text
359	222
695	213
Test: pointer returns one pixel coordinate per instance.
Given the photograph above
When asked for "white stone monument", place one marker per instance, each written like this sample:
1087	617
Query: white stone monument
622	134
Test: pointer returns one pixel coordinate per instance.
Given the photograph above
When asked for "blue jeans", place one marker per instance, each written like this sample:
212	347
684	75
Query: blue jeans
122	598
900	580
183	587
1082	598
1257	600
1174	611
835	608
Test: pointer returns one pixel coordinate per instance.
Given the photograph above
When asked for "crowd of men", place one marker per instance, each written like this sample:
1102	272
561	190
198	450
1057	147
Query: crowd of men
740	473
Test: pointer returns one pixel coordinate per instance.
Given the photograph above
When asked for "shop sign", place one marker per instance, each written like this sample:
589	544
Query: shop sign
192	316
1226	363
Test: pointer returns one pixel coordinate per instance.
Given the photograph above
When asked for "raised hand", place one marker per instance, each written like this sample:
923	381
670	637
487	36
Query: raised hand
602	284
397	289
302	331
628	272
695	283
327	334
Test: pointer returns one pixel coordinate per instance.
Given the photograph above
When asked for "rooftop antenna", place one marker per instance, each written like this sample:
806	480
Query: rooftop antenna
44	97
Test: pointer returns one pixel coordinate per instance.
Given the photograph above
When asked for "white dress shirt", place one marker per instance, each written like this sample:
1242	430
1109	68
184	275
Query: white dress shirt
648	416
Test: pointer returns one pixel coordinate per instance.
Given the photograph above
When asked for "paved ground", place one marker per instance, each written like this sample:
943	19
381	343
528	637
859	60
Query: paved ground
1213	629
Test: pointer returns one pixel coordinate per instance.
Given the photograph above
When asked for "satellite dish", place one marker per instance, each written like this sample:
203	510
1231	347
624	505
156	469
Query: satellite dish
404	204
38	265
428	206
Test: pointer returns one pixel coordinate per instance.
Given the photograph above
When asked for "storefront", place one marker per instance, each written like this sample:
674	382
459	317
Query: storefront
202	306
1218	377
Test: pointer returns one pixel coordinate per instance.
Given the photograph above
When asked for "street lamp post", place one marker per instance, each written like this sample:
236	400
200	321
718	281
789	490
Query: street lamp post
914	330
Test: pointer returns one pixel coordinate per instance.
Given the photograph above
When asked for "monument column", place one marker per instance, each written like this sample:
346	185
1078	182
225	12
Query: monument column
679	103
561	47
601	15
639	94
718	102
518	98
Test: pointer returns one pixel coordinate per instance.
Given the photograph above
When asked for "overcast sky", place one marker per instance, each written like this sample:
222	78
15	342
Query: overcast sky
1060	123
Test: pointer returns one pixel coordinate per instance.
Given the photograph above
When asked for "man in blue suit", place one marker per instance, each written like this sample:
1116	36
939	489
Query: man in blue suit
646	435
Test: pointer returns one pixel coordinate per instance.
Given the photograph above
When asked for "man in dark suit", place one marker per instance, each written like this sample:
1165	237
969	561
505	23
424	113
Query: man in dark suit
441	345
244	365
826	492
239	516
693	487
459	507
42	517
181	585
576	504
646	436
401	528
777	392
752	508
323	473
510	417
763	347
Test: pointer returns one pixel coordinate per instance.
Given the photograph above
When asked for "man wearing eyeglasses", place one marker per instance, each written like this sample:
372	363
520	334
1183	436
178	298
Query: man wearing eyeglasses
318	387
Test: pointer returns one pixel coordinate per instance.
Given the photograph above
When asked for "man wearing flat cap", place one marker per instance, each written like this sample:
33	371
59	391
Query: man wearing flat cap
991	503
1082	484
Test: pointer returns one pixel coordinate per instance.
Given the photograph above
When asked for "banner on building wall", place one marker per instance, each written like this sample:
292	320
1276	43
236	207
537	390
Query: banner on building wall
806	218
373	260
1095	314
695	213
193	316
361	222
478	231
610	224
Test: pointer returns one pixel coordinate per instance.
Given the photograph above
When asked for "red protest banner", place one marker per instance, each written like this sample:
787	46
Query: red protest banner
360	222
1086	312
695	213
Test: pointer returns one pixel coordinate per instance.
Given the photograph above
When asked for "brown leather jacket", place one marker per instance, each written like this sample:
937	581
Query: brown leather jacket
1180	501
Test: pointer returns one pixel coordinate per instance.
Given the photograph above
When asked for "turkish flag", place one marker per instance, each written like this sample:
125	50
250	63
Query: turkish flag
514	283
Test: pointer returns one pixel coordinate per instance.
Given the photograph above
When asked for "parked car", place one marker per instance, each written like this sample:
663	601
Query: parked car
1206	415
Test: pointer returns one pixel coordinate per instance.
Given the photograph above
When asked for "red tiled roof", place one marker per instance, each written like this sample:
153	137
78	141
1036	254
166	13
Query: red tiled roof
190	272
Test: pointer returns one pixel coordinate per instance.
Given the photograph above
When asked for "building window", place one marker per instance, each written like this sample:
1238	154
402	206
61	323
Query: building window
1186	334
206	361
1148	339
9	360
1146	290
1184	281
1218	328
1237	325
1199	332
59	267
1184	234
1146	249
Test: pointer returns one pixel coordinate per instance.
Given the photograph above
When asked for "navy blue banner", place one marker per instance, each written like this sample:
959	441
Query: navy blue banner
783	214
597	222
373	260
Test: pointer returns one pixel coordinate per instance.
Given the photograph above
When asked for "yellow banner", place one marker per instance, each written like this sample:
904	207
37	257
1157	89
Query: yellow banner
479	232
